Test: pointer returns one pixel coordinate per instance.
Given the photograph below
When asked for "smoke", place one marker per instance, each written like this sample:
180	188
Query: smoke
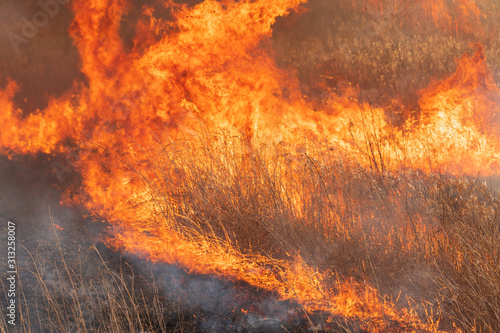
331	45
44	61
28	197
219	305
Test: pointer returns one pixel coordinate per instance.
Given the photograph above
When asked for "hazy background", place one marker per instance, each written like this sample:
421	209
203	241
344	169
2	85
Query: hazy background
329	45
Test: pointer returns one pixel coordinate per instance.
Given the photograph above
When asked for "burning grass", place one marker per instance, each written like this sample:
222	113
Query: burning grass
318	228
338	202
369	251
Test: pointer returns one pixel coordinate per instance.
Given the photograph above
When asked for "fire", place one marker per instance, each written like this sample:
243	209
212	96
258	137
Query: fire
462	110
213	65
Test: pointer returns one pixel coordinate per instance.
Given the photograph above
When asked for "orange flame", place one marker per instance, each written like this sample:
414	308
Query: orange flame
215	66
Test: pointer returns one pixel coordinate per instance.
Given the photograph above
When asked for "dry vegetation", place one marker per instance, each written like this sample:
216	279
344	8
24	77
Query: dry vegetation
428	241
429	238
82	294
388	54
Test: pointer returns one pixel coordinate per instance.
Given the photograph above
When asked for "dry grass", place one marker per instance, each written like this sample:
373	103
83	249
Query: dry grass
82	295
427	239
469	267
389	54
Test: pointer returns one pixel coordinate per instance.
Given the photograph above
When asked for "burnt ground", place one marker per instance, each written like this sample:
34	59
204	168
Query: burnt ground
30	192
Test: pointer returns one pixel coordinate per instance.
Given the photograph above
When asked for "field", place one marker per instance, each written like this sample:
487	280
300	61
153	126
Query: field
323	167
370	245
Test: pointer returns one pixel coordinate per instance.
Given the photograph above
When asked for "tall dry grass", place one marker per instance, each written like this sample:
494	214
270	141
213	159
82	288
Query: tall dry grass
428	240
80	292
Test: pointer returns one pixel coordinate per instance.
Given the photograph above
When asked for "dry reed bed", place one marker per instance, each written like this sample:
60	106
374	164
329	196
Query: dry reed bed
430	242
